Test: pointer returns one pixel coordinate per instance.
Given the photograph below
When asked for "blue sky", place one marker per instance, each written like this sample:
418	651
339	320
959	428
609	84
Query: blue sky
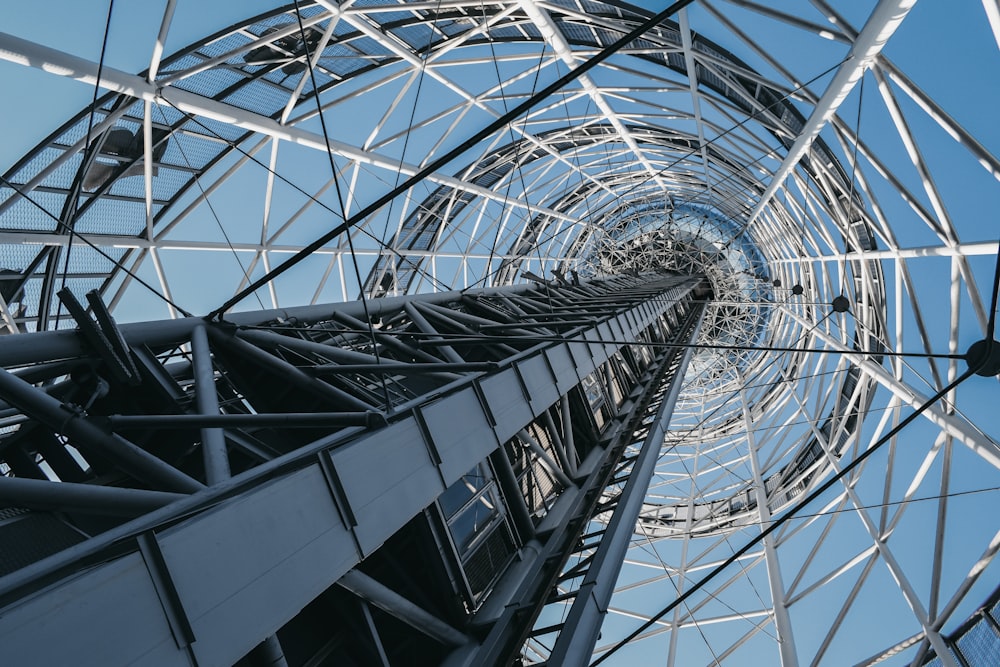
946	48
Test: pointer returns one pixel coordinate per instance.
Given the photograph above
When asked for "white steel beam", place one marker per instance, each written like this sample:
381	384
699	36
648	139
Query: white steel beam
880	26
880	542
782	621
554	38
692	73
960	250
948	423
992	8
23	52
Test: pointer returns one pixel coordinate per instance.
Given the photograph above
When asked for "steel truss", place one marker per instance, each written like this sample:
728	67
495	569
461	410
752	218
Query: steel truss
482	430
827	165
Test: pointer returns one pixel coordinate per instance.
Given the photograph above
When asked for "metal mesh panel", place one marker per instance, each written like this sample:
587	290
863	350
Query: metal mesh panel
342	60
180	64
16	257
32	292
259	98
488	561
84	259
980	646
166	114
63	175
165	184
31	538
78	130
35	165
79	287
227	43
210	82
24	215
417	36
189	151
126	218
213	128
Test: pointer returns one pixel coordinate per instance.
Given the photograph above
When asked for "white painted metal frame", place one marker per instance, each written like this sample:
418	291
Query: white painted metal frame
889	205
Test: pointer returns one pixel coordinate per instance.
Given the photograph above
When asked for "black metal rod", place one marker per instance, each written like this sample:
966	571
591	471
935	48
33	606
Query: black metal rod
780	521
85	498
287	371
87	436
213	442
283	419
405	369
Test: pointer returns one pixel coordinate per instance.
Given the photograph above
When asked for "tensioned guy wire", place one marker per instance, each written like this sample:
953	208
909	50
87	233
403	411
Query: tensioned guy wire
103	254
87	152
340	200
822	488
442	160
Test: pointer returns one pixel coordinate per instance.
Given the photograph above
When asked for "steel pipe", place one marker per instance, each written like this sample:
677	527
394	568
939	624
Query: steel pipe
86	498
86	435
396	605
213	442
367	419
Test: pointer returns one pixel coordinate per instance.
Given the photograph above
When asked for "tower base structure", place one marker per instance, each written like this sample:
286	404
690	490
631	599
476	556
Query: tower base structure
410	480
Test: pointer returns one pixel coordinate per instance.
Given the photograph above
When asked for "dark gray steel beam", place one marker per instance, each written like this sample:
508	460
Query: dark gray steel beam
70	421
407	369
383	659
287	371
46	346
543	456
213	442
246	555
451	318
583	623
368	419
523	596
396	605
512	495
86	498
387	340
427	328
475	321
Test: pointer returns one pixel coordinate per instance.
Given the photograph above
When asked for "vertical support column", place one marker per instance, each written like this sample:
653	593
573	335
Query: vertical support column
512	494
685	548
786	643
568	444
583	623
213	442
213	445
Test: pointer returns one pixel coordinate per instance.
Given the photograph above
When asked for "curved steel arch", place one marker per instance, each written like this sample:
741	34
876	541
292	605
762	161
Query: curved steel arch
837	219
228	67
